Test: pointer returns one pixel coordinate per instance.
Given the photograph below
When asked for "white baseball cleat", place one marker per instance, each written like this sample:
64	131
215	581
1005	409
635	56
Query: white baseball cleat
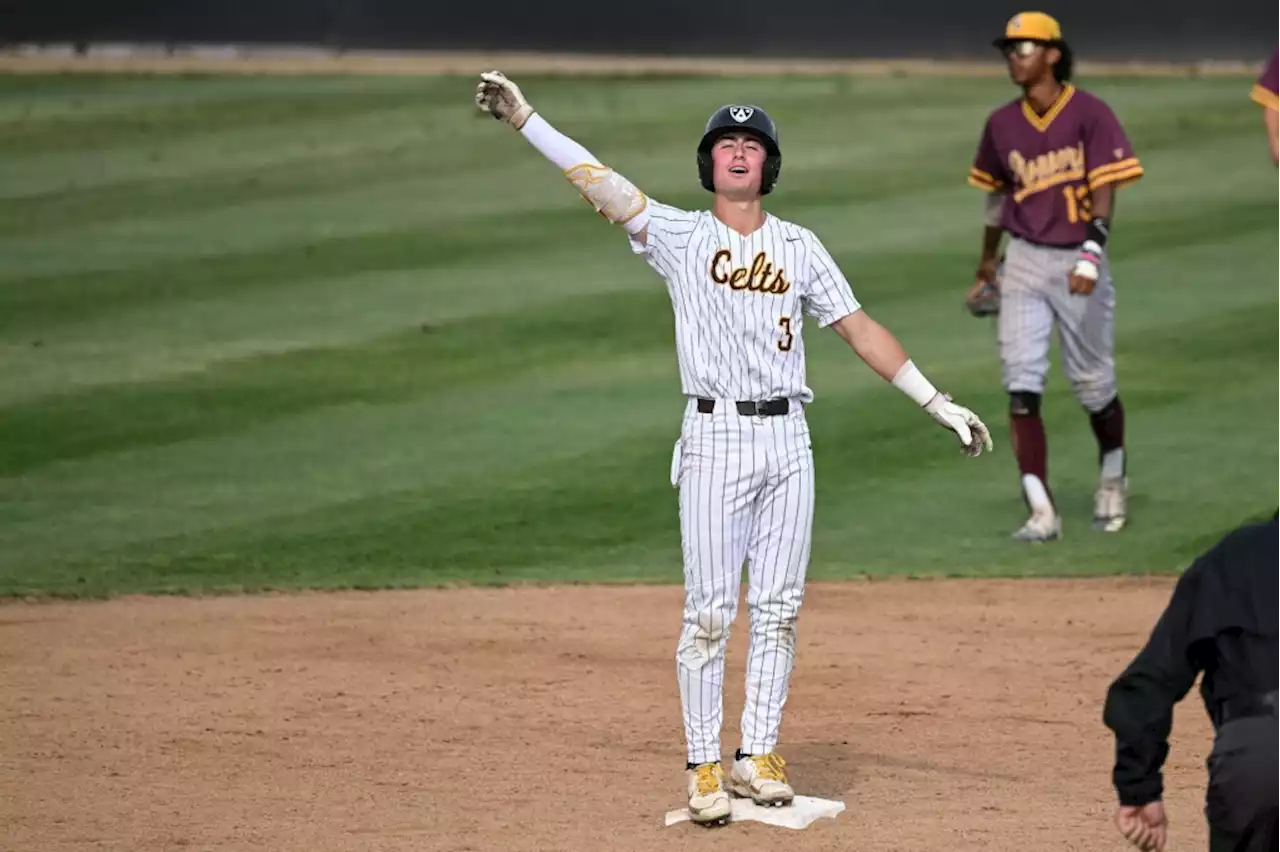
1109	505
708	802
1043	525
762	779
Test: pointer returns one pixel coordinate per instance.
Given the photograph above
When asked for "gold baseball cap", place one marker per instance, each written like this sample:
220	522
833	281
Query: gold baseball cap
1030	26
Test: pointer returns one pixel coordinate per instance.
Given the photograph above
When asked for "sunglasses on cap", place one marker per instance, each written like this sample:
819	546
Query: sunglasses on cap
1021	47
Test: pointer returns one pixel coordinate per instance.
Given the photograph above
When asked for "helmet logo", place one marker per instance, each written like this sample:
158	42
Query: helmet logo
741	113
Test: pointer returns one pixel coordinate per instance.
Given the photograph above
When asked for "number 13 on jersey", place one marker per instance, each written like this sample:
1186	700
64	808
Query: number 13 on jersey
1079	203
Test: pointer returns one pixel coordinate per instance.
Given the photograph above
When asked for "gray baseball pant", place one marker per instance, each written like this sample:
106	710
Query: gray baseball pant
1034	297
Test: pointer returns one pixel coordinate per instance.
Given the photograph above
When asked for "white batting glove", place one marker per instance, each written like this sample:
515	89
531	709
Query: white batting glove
502	99
1084	275
972	432
1089	260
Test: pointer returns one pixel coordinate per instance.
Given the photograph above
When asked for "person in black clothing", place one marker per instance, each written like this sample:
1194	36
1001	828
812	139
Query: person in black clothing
1220	621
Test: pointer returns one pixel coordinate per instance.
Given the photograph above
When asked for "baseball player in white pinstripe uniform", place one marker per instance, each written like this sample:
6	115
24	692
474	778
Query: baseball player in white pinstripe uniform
740	282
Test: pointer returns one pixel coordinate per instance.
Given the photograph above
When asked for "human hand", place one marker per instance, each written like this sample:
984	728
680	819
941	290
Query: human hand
502	99
1145	826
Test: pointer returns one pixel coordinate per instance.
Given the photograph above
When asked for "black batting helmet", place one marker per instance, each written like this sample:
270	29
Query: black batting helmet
735	118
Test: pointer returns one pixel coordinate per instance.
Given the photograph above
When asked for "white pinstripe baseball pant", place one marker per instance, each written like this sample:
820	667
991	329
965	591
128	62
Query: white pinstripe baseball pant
746	492
1034	295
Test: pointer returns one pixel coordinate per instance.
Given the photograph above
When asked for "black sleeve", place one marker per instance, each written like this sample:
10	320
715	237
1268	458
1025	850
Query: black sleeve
1139	706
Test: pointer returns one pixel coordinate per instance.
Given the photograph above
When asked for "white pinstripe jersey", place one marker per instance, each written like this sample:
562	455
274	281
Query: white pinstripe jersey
739	301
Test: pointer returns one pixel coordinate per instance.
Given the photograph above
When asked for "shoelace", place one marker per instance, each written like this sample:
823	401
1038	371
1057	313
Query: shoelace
770	767
708	779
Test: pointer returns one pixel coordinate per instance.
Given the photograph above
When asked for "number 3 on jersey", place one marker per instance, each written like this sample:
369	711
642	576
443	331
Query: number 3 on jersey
784	343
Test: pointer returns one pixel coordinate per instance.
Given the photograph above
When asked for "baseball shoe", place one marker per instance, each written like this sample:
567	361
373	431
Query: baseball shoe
1043	525
1109	505
708	802
762	778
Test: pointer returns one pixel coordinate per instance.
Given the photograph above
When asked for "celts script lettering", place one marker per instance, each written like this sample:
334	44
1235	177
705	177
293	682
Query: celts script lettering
760	277
1047	170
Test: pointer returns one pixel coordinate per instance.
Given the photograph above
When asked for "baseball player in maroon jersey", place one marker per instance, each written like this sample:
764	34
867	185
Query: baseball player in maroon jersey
1264	94
1051	162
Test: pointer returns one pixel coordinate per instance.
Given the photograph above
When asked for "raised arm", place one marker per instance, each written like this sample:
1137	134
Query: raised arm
612	195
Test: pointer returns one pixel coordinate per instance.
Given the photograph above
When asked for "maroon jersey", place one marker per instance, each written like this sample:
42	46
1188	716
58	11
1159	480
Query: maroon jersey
1264	89
1048	165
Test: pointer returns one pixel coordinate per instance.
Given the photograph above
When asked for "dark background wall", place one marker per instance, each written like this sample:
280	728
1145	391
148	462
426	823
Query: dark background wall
944	29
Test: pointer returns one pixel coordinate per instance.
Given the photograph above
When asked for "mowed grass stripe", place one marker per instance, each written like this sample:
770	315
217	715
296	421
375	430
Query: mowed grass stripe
332	458
72	207
37	96
181	120
239	394
319	138
52	300
161	342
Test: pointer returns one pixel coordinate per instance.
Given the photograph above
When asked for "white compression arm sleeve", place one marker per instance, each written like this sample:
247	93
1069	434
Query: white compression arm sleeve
611	194
554	145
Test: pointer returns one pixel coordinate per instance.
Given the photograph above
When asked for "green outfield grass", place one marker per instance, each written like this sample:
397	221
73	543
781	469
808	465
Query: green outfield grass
315	332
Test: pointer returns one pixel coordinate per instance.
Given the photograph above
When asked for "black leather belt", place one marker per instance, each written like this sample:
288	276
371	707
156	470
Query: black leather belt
748	408
1244	707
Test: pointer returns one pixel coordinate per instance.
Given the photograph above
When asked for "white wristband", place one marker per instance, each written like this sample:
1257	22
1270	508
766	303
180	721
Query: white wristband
554	145
913	383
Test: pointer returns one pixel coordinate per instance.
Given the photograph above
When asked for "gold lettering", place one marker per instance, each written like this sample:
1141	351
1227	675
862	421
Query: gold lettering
716	275
735	279
1050	169
1016	166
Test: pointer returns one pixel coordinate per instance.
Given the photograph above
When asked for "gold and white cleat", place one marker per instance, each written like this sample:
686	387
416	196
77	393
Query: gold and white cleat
762	779
708	801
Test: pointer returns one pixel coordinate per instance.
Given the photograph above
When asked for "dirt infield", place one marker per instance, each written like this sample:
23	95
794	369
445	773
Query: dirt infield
947	715
250	60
